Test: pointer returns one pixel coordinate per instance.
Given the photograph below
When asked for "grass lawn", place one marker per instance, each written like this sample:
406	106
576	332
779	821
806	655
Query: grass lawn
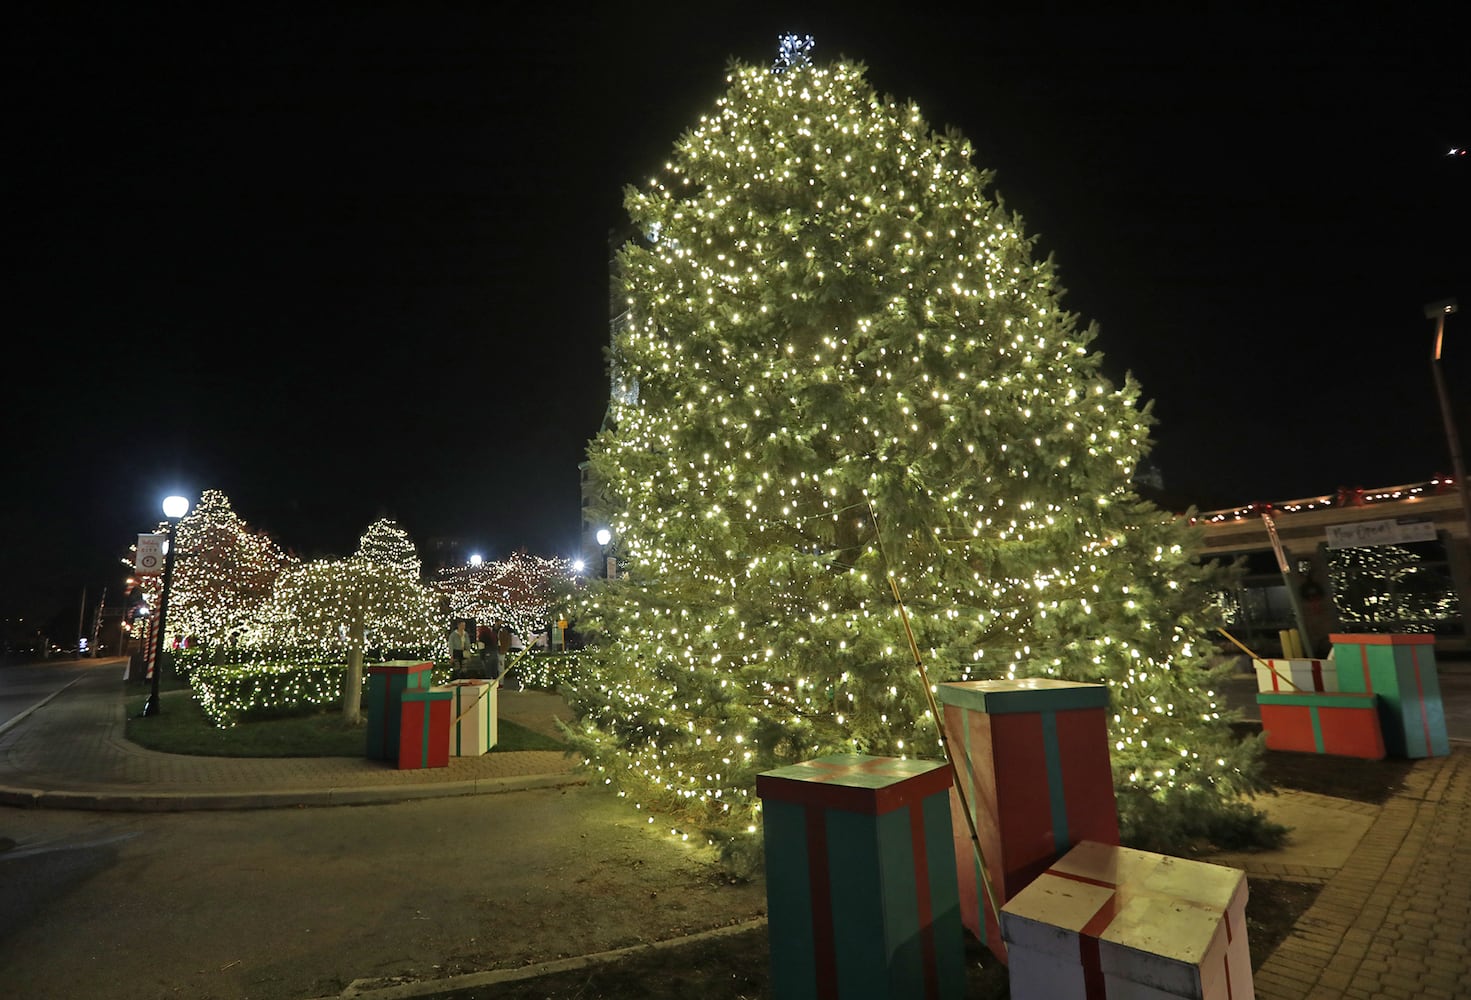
181	727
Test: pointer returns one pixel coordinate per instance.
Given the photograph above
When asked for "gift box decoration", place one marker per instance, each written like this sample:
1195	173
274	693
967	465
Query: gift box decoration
473	727
1296	675
1111	922
1401	670
424	730
860	879
387	683
1339	724
1038	782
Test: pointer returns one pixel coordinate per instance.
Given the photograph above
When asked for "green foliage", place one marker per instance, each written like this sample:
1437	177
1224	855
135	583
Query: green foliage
844	366
234	693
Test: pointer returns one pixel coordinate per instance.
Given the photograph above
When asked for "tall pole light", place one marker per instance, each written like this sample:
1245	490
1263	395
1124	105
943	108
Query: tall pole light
610	566
1438	311
173	509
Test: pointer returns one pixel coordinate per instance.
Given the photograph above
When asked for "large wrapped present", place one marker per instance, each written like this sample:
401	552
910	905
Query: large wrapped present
1038	781
387	683
1111	922
474	727
424	730
860	879
1296	675
1338	724
1401	670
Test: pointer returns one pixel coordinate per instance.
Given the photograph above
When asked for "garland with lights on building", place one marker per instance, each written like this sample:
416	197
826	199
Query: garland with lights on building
837	330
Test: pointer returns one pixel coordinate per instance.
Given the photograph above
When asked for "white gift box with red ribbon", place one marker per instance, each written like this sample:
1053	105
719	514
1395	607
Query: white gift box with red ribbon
1107	923
1292	676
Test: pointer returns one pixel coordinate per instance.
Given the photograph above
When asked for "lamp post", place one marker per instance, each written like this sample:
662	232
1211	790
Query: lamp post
173	508
610	563
1438	311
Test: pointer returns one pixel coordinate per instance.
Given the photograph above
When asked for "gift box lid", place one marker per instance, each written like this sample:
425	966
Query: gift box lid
1146	910
399	667
431	694
1317	699
1024	694
855	782
1384	639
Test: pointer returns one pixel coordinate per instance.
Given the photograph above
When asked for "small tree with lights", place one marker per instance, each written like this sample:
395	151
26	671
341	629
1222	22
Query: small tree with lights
851	367
334	610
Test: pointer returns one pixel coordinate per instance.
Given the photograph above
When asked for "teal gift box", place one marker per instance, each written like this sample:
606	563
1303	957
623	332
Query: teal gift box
1401	670
860	876
387	683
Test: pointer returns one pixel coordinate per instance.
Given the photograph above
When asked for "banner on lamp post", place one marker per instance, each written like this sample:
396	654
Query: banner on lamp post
149	558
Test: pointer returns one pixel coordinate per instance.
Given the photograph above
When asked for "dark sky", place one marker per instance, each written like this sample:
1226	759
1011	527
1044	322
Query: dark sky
350	265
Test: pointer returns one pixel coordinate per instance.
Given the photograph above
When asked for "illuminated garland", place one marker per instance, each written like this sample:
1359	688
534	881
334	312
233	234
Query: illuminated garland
831	312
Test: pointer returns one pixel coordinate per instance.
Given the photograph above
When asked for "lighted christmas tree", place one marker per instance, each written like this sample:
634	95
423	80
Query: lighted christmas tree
518	592
851	366
223	572
334	610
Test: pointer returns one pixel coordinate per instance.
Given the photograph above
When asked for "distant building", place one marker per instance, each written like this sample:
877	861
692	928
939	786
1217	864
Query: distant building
1395	559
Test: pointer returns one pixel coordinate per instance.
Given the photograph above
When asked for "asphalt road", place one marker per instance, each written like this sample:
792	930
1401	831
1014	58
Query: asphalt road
24	686
289	904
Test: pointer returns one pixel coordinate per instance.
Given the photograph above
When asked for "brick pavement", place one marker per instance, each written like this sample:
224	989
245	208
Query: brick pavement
72	752
1393	923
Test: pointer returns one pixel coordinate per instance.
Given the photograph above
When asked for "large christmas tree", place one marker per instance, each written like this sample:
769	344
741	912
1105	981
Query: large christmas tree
851	367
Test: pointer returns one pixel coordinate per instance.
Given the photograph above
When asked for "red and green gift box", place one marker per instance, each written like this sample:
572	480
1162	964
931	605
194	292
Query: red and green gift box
1108	922
387	683
1039	781
424	730
860	876
1339	725
1401	670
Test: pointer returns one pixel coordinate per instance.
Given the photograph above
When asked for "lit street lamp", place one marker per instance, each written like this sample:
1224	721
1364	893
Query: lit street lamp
173	509
610	562
1438	311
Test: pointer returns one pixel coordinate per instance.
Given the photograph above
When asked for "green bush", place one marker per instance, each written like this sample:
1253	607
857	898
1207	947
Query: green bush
236	692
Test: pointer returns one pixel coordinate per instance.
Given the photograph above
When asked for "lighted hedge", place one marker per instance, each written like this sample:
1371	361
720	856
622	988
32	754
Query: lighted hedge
235	693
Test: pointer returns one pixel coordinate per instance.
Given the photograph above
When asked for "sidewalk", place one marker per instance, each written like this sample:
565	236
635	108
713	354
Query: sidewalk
71	753
1392	921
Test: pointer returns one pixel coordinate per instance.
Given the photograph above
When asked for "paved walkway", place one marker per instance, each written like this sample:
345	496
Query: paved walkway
71	753
1392	921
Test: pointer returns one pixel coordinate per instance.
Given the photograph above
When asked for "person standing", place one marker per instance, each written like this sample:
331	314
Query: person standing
490	650
459	645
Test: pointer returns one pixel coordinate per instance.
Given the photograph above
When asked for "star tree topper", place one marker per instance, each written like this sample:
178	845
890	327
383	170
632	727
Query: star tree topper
792	51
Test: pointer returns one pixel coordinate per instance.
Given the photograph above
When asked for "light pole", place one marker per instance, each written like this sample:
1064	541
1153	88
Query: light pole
1438	311
610	563
173	509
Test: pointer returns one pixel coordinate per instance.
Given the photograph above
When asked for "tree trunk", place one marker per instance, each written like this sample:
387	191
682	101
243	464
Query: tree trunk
352	683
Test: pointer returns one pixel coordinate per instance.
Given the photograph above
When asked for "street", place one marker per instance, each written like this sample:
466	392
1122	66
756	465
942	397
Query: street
289	904
24	686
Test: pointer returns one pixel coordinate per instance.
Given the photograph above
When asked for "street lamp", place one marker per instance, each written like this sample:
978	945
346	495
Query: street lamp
1438	311
610	564
174	508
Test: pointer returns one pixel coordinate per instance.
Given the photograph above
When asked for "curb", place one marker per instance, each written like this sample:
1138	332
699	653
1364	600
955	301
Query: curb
284	799
470	980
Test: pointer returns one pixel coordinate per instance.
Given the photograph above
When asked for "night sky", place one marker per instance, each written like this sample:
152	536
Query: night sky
353	265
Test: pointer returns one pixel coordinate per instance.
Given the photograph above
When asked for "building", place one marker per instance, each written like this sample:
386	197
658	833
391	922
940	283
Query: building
1395	559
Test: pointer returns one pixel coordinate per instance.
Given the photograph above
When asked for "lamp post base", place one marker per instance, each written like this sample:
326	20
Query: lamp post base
150	707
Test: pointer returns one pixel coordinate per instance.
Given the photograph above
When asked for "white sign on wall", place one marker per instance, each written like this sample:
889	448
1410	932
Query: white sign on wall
150	555
1364	533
